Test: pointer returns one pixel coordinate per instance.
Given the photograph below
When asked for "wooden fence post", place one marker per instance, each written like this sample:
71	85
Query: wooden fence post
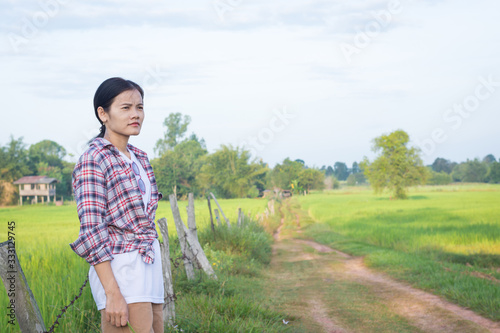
240	217
217	217
211	217
169	306
270	205
191	217
22	304
222	212
199	254
186	251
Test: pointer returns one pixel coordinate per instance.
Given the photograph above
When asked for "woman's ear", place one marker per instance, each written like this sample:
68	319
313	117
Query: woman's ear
102	114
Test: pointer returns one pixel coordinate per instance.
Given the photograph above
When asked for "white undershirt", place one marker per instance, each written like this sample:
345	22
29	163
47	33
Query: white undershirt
146	197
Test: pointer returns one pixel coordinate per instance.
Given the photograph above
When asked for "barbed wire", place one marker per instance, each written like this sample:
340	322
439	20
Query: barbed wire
64	309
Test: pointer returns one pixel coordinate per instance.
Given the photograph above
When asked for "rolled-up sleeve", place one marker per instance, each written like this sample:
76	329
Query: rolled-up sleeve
89	186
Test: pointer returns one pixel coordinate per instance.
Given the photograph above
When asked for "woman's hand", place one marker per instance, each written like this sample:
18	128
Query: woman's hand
116	308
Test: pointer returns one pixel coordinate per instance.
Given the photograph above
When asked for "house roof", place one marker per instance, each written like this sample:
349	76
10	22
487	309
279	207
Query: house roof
35	180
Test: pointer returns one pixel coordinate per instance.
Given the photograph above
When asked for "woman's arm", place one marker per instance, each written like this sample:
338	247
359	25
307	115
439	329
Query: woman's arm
116	307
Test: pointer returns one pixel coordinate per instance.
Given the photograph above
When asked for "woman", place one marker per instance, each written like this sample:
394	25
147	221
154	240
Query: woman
116	195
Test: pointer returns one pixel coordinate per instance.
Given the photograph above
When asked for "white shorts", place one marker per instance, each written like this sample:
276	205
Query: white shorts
138	281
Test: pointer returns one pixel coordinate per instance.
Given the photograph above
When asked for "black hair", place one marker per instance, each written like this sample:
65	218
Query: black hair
106	93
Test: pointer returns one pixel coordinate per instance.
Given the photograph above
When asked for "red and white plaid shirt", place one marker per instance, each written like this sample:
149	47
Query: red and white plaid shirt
110	206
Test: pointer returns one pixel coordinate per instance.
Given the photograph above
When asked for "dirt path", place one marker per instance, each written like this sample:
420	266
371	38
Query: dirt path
331	291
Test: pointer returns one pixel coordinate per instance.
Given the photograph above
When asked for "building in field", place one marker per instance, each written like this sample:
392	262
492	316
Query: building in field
35	187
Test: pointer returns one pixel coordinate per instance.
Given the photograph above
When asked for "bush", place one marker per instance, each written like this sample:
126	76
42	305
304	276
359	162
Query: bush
439	178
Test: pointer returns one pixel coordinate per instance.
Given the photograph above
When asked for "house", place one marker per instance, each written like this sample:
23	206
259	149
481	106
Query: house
36	186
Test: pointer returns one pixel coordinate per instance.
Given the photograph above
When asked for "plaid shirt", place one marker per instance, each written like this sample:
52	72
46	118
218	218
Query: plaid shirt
110	205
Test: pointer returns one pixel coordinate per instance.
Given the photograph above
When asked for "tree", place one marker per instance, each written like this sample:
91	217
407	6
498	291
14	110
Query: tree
176	169
176	127
46	151
310	179
494	173
329	171
340	170
439	178
471	171
14	160
443	165
230	174
489	159
285	173
355	168
397	167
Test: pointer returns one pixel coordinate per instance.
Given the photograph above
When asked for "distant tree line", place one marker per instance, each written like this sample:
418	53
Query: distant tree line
184	165
444	171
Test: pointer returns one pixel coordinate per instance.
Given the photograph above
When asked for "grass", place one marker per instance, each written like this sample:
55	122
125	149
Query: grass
443	239
55	273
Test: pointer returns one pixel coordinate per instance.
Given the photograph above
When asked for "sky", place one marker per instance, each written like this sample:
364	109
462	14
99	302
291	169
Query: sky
310	80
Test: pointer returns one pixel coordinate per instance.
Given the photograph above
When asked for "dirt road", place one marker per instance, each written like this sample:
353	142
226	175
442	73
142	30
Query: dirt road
329	291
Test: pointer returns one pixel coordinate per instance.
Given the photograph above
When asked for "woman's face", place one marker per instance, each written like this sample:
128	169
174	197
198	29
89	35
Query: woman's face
125	115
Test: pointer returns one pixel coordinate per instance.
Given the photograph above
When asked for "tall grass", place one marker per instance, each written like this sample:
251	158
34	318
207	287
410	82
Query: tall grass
444	239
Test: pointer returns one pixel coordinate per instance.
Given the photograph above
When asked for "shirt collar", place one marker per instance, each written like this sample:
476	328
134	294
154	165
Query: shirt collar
102	143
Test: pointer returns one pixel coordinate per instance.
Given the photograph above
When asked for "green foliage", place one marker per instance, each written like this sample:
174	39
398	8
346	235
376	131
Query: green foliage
439	178
14	160
311	179
229	173
285	173
176	127
494	173
397	167
443	165
47	152
176	170
295	176
356	179
340	170
471	171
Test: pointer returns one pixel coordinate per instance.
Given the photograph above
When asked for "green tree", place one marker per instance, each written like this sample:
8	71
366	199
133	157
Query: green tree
230	174
439	178
441	164
494	173
397	167
340	170
48	152
176	169
14	160
329	171
283	174
311	179
489	159
355	168
471	171
176	127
